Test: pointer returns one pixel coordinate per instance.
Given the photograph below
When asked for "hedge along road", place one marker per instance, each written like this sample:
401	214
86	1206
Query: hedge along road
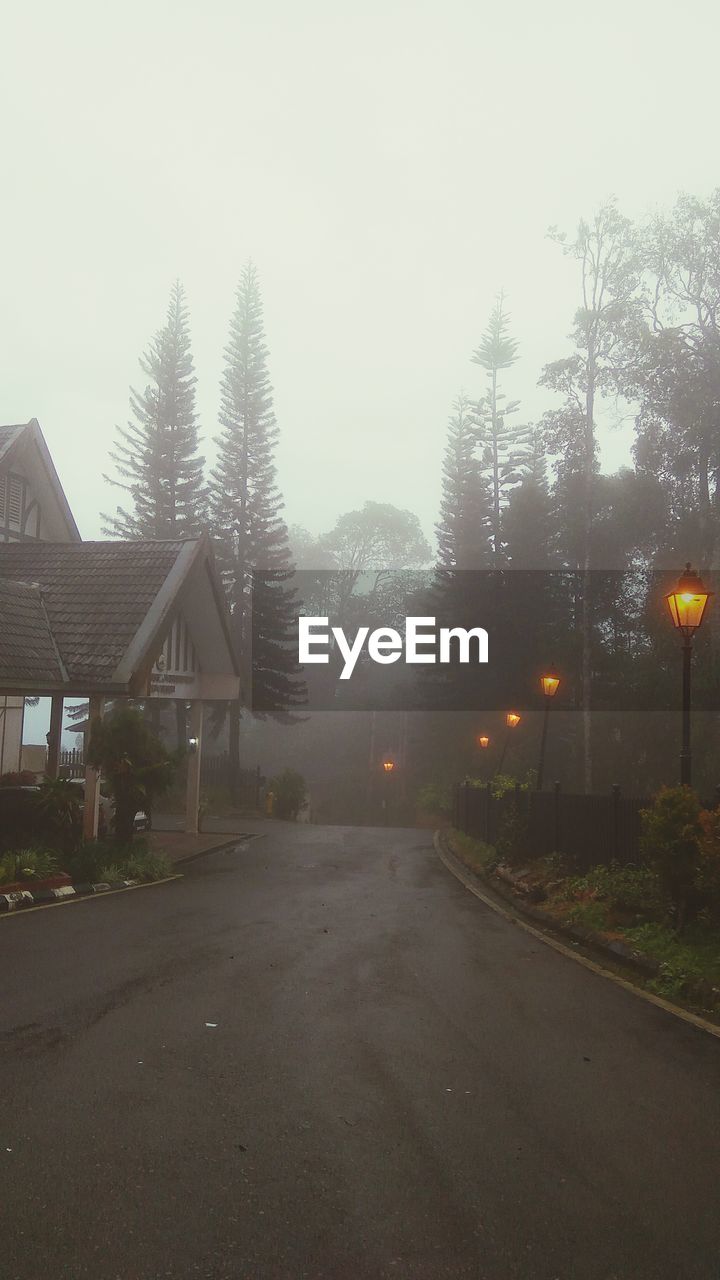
320	1056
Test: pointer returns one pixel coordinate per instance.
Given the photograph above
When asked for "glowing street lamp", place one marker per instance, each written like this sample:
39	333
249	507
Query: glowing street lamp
388	765
483	741
549	685
687	605
512	720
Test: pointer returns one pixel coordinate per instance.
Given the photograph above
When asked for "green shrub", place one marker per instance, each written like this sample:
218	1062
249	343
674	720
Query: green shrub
684	962
135	763
707	880
59	810
289	791
512	837
630	890
436	797
670	843
146	865
503	783
95	860
476	853
85	862
27	864
589	915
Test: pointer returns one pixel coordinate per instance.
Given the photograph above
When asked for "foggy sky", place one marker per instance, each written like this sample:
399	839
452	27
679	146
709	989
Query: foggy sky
389	167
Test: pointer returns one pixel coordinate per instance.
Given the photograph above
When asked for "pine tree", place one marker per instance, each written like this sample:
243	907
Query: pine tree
503	447
529	522
246	515
464	525
156	456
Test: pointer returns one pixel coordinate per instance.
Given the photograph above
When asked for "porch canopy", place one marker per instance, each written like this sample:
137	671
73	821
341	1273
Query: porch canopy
116	619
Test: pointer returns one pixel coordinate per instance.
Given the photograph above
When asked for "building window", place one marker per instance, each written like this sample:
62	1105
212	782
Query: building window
14	500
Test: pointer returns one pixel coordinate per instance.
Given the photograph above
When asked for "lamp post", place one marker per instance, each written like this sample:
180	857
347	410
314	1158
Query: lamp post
512	720
687	605
549	685
483	741
388	765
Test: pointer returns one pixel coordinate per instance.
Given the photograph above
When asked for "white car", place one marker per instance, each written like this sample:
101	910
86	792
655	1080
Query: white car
107	810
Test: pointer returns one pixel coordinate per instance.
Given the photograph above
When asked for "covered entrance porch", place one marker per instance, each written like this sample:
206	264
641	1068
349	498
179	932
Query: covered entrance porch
108	621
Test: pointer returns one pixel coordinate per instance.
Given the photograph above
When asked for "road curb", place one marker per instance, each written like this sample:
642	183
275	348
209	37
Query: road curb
475	885
217	848
18	903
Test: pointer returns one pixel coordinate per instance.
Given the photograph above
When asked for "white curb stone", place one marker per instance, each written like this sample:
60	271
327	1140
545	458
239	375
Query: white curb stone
11	901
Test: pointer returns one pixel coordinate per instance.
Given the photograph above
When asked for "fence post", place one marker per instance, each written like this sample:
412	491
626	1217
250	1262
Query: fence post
462	807
616	818
556	818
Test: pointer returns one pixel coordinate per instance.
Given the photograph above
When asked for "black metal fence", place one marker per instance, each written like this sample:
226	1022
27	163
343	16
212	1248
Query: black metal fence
587	829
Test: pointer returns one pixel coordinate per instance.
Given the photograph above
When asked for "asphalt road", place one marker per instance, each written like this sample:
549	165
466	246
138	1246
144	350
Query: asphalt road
399	1084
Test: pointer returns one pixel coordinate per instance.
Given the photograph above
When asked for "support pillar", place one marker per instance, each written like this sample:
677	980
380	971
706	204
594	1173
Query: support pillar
91	808
192	796
55	735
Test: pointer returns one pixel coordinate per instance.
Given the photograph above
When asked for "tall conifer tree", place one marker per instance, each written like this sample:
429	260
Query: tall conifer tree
464	526
156	456
529	521
246	515
503	446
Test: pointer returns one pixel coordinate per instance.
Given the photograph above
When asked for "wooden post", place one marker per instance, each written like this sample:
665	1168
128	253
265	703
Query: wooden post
91	806
192	795
55	735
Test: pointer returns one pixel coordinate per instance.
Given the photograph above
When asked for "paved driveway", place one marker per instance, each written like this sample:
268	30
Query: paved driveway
319	1056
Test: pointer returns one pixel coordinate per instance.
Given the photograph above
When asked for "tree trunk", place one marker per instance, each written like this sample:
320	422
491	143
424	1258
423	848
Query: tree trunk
586	674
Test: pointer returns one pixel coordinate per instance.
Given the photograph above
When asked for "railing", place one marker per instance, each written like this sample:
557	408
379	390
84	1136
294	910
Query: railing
588	829
214	772
71	763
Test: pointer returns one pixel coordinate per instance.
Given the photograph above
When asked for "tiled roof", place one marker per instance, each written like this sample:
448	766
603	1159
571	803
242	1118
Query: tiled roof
27	651
96	595
8	434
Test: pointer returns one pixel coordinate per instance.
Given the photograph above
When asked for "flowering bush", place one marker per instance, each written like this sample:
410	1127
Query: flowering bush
670	842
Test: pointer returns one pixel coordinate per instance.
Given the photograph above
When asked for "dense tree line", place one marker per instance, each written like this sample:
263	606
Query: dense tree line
646	337
516	494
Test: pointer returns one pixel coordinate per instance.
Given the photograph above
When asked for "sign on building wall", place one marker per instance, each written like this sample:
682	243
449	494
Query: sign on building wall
176	673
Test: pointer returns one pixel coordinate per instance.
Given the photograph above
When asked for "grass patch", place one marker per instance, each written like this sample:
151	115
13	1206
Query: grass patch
689	963
476	854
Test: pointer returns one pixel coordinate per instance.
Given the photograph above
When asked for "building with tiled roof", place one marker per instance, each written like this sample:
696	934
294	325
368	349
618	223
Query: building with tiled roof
99	619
